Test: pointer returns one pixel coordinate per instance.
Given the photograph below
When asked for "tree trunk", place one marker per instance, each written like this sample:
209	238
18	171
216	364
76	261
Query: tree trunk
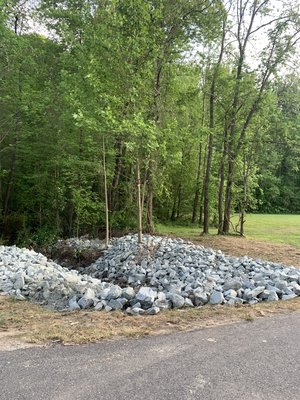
206	186
221	182
149	219
1	195
12	168
173	214
113	198
179	201
227	208
139	205
149	197
198	185
211	127
232	154
106	197
57	208
220	198
202	191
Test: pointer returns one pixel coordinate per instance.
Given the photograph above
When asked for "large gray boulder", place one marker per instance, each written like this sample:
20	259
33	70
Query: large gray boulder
73	304
128	293
176	299
216	298
114	292
200	297
146	296
234	284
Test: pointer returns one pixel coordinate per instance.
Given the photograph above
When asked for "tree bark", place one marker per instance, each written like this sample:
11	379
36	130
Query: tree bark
198	185
149	204
149	197
221	182
13	160
139	205
202	191
113	198
220	198
179	201
232	154
211	127
173	214
228	199
206	186
105	196
198	180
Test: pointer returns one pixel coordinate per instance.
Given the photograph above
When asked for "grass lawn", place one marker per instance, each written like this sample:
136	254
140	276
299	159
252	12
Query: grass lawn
268	227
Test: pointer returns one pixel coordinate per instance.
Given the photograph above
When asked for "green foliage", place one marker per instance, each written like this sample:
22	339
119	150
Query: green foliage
121	71
44	236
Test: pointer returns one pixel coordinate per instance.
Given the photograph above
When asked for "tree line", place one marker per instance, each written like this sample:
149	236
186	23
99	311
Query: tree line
116	114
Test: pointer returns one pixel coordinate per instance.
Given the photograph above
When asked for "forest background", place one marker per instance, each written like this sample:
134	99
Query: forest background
137	112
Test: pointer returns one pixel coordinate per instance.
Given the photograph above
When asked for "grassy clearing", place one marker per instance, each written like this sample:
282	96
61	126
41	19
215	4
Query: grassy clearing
283	229
34	324
274	228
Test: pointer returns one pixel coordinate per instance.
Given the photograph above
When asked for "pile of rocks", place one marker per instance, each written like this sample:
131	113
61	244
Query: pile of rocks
76	252
183	274
27	274
80	244
145	278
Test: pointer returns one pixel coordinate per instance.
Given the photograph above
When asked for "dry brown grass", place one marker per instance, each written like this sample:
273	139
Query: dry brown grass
30	323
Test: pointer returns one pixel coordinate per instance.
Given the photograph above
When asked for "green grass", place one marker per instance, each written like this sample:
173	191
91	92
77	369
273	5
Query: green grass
180	230
268	227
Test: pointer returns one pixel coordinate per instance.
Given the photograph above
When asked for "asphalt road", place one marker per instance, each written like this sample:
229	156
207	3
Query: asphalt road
244	361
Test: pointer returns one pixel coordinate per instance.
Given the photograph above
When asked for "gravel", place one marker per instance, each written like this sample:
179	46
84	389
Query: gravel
145	278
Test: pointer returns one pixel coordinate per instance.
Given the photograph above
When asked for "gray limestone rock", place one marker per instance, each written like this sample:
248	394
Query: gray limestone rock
163	304
216	298
114	292
116	304
87	300
233	301
20	297
288	296
146	296
73	305
257	291
135	311
230	293
232	284
128	293
19	280
100	305
200	297
176	299
188	302
153	311
137	305
272	296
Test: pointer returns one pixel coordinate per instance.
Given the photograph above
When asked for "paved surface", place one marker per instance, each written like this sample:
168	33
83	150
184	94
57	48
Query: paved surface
248	360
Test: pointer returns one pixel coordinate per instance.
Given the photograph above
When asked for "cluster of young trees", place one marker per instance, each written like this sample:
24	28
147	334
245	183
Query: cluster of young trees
136	111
